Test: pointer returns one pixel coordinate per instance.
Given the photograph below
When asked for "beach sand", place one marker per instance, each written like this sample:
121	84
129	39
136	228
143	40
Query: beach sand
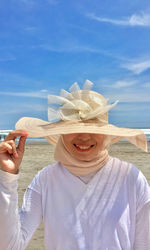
41	154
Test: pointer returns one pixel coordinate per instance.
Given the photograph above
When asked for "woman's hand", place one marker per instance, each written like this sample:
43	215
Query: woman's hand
10	154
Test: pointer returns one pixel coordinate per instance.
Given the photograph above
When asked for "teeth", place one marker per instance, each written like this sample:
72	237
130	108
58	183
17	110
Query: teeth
83	147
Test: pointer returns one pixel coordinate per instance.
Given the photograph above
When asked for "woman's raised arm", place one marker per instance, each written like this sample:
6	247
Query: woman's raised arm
11	154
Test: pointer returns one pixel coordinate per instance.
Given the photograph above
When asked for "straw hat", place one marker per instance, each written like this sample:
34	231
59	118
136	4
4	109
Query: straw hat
79	111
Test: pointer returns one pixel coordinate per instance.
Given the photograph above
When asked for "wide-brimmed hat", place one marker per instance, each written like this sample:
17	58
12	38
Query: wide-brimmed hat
79	111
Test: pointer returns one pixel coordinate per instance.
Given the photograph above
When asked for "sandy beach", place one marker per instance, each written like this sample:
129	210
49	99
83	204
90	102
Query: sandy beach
41	154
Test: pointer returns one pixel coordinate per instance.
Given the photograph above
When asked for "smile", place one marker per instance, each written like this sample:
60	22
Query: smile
83	148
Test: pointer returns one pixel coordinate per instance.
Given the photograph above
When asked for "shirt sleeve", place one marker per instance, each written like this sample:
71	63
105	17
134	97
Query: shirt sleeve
142	191
142	229
142	233
17	227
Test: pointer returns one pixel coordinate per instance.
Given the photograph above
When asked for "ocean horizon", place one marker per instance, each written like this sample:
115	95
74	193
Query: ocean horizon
3	133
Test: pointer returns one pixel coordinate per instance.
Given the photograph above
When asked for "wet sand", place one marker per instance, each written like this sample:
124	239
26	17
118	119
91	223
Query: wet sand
39	155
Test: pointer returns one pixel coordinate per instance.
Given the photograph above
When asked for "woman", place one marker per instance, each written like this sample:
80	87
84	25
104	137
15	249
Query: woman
87	199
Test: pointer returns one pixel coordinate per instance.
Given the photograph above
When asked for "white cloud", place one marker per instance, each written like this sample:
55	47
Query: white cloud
17	81
126	90
75	48
146	85
142	19
67	48
137	67
129	96
123	84
22	108
44	90
35	94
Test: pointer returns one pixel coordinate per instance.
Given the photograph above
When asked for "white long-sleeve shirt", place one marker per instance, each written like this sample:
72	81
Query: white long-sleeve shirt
110	212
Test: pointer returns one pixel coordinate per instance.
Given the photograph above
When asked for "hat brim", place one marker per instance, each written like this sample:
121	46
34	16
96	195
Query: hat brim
51	131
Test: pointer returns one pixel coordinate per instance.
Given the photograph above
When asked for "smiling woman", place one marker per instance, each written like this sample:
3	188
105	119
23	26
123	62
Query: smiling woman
84	146
87	199
74	150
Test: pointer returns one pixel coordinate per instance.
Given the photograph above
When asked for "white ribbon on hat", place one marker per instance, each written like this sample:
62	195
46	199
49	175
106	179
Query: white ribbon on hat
77	105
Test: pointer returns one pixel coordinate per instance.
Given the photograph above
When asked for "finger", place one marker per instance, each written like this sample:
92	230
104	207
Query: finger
14	134
14	150
9	147
21	144
5	147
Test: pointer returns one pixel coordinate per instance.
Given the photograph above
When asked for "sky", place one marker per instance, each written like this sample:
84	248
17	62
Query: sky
47	45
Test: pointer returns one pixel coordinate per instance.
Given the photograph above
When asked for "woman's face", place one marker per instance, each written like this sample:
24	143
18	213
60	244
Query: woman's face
84	146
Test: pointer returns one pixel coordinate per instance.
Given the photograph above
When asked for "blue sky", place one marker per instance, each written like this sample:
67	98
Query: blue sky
46	45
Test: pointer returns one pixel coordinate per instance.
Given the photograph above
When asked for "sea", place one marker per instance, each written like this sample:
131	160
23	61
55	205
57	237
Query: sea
43	140
147	133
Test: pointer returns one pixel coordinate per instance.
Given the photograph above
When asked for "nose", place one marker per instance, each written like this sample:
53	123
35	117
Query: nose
84	136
